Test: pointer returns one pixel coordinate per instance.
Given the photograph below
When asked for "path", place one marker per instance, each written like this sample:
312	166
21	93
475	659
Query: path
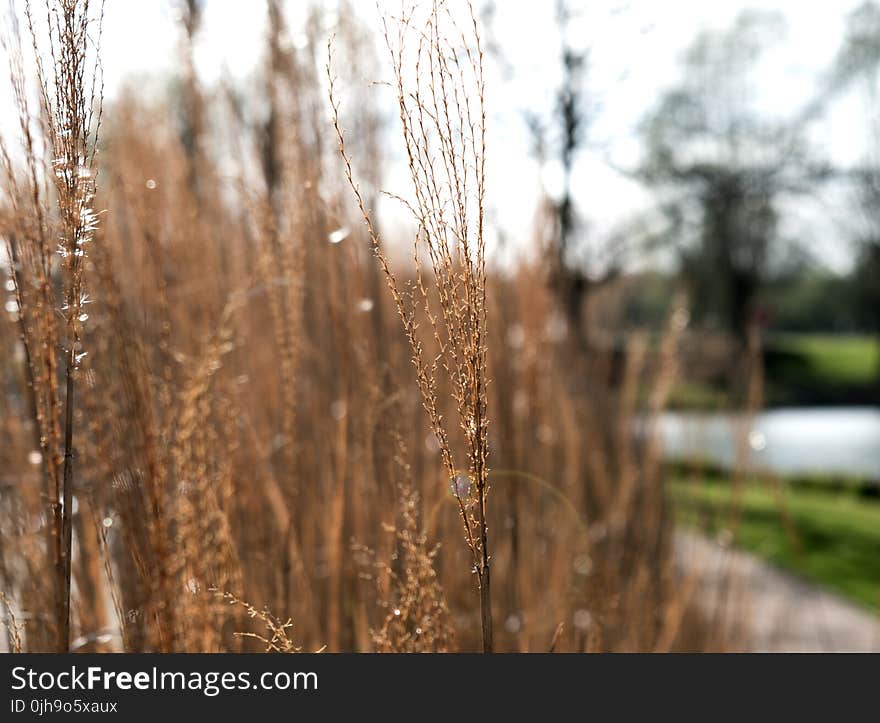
778	611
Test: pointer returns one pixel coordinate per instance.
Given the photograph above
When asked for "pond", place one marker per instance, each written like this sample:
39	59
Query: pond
840	440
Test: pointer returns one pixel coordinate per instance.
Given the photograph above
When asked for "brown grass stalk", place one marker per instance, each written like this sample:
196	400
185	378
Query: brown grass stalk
443	122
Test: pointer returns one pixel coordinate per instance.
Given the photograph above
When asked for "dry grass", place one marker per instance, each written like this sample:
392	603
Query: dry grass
48	221
445	142
250	418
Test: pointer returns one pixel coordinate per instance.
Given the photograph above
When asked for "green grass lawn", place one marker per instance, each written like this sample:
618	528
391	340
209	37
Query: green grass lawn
834	536
811	369
836	359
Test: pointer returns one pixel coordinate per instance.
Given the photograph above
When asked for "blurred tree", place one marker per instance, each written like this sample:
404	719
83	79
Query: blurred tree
577	268
857	66
811	300
721	166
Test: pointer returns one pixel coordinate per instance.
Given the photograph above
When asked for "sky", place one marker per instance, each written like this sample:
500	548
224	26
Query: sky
636	48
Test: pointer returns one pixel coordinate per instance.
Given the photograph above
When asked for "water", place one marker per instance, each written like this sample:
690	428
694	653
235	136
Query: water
841	440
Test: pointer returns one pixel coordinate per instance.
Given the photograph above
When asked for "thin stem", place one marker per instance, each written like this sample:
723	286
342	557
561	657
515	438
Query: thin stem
67	505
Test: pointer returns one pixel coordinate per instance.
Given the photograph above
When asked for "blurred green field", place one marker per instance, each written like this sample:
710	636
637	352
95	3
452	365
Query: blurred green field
800	369
847	359
832	536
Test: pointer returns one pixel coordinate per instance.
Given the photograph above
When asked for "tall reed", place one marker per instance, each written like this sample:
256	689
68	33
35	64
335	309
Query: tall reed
70	82
443	122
